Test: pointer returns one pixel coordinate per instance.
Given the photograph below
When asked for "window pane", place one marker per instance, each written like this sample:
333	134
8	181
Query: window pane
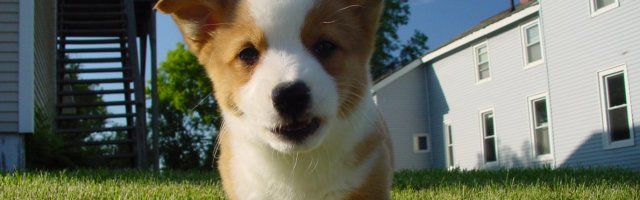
422	143
619	124
542	141
533	35
450	149
534	53
616	90
489	150
603	3
484	75
488	124
449	134
540	108
482	49
483	67
482	58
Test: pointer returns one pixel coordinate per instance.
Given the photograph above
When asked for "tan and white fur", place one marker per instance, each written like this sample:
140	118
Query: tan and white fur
334	145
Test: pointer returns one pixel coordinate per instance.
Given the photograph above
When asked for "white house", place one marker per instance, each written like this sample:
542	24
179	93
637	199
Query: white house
27	60
40	41
553	83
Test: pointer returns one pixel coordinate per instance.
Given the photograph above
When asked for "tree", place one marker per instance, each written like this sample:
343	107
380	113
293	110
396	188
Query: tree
47	150
188	114
384	58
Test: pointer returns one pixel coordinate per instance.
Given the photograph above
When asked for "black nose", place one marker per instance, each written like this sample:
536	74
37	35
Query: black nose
291	99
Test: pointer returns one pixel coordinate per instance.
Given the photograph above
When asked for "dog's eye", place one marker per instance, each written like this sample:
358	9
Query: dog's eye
249	55
324	48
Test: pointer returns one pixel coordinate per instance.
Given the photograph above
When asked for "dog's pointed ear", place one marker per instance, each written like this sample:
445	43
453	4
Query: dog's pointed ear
196	19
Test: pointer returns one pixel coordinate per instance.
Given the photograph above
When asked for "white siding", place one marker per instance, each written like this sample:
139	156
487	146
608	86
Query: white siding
403	104
8	65
578	46
45	52
455	96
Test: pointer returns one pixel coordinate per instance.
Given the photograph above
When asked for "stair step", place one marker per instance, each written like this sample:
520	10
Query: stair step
92	60
94	92
120	156
96	70
109	116
89	1
93	33
96	81
101	129
97	104
91	14
89	7
79	24
93	50
98	41
100	143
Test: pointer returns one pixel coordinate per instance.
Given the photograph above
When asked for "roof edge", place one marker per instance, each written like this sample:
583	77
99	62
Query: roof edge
457	44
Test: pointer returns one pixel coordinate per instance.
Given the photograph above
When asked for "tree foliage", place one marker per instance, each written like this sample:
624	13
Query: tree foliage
386	57
47	150
188	113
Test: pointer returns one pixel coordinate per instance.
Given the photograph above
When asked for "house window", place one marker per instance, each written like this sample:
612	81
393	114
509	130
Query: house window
482	62
532	43
601	6
489	137
540	126
615	107
420	143
449	140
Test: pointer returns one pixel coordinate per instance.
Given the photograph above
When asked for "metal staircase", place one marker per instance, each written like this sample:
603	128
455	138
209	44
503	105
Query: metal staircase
100	79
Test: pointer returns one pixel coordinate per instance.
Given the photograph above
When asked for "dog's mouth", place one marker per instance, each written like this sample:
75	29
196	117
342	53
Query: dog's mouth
298	130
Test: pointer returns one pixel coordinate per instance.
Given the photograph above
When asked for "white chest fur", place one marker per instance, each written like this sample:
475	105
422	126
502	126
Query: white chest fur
327	172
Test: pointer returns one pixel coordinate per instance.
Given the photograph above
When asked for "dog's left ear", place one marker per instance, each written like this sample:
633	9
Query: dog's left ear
197	19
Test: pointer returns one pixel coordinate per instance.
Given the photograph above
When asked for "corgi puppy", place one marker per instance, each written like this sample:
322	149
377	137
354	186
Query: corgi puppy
292	80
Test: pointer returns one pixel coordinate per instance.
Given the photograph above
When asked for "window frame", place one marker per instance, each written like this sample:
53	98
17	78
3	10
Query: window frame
604	101
495	137
525	45
416	143
477	64
448	139
532	121
595	11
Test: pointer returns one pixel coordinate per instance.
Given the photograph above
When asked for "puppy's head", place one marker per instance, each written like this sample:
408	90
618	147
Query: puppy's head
284	71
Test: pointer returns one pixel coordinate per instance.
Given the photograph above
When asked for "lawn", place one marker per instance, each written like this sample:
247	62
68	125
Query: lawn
436	184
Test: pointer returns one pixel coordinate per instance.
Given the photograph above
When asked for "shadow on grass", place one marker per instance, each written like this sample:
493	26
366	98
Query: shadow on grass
509	177
132	176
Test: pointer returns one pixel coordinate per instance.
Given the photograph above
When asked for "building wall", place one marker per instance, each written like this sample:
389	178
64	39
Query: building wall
403	104
578	47
9	65
45	54
455	96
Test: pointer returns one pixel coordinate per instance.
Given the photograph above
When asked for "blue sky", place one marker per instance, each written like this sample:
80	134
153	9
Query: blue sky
440	20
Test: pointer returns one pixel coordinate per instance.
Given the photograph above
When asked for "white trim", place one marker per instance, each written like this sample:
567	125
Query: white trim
416	146
525	49
595	12
26	68
495	137
532	122
458	43
475	61
606	143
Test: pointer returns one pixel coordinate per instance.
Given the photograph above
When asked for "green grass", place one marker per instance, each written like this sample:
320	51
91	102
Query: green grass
438	184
